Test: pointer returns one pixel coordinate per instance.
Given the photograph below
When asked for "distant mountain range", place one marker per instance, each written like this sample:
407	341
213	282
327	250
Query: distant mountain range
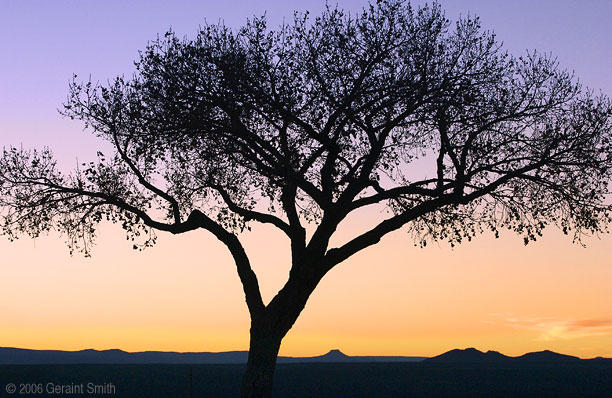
19	356
472	355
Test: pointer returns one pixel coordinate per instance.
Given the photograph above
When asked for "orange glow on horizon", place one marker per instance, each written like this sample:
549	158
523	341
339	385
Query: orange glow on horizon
391	299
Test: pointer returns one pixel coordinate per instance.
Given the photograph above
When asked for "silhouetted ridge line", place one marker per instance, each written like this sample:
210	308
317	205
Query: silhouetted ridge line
19	356
472	355
338	356
547	356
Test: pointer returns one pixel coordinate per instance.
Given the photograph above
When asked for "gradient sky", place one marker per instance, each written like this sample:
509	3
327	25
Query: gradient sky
184	295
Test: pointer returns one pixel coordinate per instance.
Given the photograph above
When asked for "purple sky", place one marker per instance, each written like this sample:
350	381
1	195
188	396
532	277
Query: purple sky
44	42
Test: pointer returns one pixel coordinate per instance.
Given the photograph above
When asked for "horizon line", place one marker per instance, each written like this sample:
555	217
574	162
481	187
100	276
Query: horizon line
333	350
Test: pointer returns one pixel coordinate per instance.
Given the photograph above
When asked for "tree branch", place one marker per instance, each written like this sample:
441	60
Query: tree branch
143	181
337	255
250	214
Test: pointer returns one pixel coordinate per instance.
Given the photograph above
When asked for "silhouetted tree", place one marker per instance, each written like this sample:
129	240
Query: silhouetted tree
311	122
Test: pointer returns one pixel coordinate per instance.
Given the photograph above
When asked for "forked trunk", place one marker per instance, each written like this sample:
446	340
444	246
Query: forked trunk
267	331
263	351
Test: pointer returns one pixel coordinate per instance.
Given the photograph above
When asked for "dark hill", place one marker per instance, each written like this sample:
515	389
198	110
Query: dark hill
474	356
338	356
469	355
18	356
600	361
547	356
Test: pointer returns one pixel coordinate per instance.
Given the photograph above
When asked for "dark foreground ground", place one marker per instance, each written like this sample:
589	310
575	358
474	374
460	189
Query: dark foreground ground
371	380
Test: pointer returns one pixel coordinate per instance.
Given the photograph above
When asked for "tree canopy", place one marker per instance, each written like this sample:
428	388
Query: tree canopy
314	120
320	118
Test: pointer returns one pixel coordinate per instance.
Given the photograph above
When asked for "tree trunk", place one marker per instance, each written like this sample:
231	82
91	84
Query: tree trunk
263	351
268	329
